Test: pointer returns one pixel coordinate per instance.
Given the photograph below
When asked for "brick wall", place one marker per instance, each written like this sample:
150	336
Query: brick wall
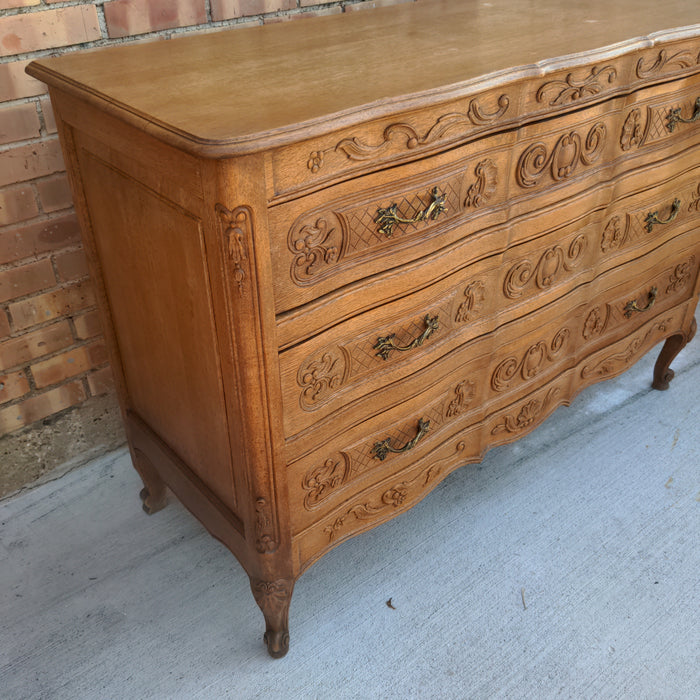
52	356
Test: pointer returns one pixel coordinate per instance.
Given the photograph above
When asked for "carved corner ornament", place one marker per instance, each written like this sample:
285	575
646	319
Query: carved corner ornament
236	228
265	542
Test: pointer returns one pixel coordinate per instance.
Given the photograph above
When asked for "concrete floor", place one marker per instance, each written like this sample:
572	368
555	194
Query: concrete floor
564	566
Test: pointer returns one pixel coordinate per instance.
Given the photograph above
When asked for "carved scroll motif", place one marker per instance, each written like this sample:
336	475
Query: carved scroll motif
666	63
571	89
316	244
596	322
532	362
320	376
469	309
320	481
486	180
614	235
566	155
464	396
529	413
681	276
264	538
632	130
695	202
548	267
617	361
236	227
406	136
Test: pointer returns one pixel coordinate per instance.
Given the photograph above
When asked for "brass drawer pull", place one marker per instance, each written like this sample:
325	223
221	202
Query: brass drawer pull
631	306
653	216
674	116
381	449
385	344
389	217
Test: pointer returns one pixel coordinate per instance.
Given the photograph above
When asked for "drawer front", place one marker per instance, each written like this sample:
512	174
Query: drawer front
416	134
363	507
402	422
334	369
361	228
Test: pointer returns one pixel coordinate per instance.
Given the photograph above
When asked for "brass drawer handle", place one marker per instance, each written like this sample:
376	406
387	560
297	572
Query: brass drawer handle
389	217
382	448
674	116
631	306
653	216
385	344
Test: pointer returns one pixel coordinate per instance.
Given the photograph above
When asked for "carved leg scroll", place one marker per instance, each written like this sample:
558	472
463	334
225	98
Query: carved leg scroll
154	493
663	374
273	598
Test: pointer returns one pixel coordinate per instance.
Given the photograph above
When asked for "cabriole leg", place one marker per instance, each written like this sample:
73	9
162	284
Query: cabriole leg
154	493
663	373
273	598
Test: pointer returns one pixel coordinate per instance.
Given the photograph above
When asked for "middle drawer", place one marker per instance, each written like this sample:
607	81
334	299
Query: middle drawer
335	368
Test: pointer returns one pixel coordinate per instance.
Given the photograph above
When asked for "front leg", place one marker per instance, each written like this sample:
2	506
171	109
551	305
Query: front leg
663	373
273	598
154	493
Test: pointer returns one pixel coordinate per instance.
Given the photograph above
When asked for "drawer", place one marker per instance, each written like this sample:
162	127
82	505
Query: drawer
365	227
389	429
329	372
354	151
363	507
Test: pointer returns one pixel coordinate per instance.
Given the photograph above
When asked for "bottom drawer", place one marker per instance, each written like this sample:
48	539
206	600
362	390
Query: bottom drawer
487	375
394	493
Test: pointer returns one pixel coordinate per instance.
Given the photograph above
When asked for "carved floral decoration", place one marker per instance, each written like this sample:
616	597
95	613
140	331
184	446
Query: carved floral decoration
571	89
356	149
236	227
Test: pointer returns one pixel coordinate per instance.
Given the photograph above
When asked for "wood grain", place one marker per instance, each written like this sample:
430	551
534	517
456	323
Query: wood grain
322	292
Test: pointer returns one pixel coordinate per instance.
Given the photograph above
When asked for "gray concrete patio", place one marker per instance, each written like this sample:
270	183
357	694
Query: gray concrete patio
563	566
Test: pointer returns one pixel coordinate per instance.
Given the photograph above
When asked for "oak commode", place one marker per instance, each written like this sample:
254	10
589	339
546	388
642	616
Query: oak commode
338	258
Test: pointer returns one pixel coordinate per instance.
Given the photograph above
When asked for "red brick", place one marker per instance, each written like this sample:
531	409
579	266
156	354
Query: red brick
17	204
51	305
54	193
49	29
49	118
37	407
101	381
4	325
69	364
26	279
20	242
13	385
19	122
32	160
228	9
10	4
30	346
15	83
87	325
71	266
129	17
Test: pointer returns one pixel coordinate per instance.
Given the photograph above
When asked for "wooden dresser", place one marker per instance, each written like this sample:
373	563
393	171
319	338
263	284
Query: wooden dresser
338	258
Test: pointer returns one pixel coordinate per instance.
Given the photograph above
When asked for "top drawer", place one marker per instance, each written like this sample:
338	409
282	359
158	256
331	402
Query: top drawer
381	221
